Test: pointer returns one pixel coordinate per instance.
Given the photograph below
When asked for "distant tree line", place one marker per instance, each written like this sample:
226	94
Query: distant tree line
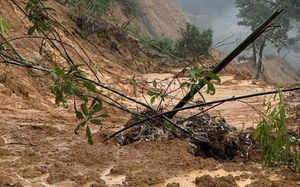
194	41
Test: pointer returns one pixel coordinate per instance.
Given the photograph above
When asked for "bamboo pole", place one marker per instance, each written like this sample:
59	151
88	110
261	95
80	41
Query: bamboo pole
251	38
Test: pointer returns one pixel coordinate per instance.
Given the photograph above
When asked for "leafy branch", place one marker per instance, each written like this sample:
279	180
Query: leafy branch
37	13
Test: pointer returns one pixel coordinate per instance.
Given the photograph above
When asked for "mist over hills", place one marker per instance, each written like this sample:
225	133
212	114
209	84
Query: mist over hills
220	15
205	7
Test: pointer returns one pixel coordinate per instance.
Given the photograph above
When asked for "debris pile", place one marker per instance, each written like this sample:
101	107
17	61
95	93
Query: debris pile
208	136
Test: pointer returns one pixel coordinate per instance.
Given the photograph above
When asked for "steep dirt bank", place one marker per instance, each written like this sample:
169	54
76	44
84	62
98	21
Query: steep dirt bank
154	17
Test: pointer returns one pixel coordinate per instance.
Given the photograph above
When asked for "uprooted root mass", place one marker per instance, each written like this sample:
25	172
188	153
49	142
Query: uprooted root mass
208	136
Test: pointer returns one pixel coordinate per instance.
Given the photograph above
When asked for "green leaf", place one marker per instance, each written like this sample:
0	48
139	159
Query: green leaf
82	124
97	107
76	90
82	97
54	75
79	115
53	89
67	89
103	115
173	129
201	95
210	87
93	103
96	121
184	83
166	123
154	84
28	6
89	135
59	70
212	75
74	67
133	81
31	30
76	129
170	127
84	110
90	86
163	96
63	100
281	97
193	72
1	27
151	93
48	8
152	100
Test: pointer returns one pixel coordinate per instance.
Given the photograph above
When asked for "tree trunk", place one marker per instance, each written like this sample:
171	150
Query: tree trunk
260	53
254	52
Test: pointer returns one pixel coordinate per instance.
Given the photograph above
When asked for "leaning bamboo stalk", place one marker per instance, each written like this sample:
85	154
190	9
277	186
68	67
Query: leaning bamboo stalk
250	39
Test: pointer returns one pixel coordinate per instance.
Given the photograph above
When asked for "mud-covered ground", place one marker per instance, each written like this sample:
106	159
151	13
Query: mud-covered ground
38	146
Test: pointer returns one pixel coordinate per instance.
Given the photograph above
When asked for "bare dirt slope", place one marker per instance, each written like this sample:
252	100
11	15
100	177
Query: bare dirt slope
157	18
38	146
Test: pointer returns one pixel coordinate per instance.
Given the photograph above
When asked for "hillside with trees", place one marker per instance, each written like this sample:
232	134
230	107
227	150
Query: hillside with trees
243	15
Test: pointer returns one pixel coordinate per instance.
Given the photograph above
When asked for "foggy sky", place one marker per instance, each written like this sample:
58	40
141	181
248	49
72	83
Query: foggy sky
220	15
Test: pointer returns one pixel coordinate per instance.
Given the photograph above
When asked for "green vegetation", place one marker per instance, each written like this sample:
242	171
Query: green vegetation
88	17
193	43
67	83
198	78
3	26
159	44
37	14
91	7
272	134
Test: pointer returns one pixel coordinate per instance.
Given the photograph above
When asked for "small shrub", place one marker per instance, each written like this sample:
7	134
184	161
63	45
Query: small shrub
194	42
91	7
88	16
163	44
